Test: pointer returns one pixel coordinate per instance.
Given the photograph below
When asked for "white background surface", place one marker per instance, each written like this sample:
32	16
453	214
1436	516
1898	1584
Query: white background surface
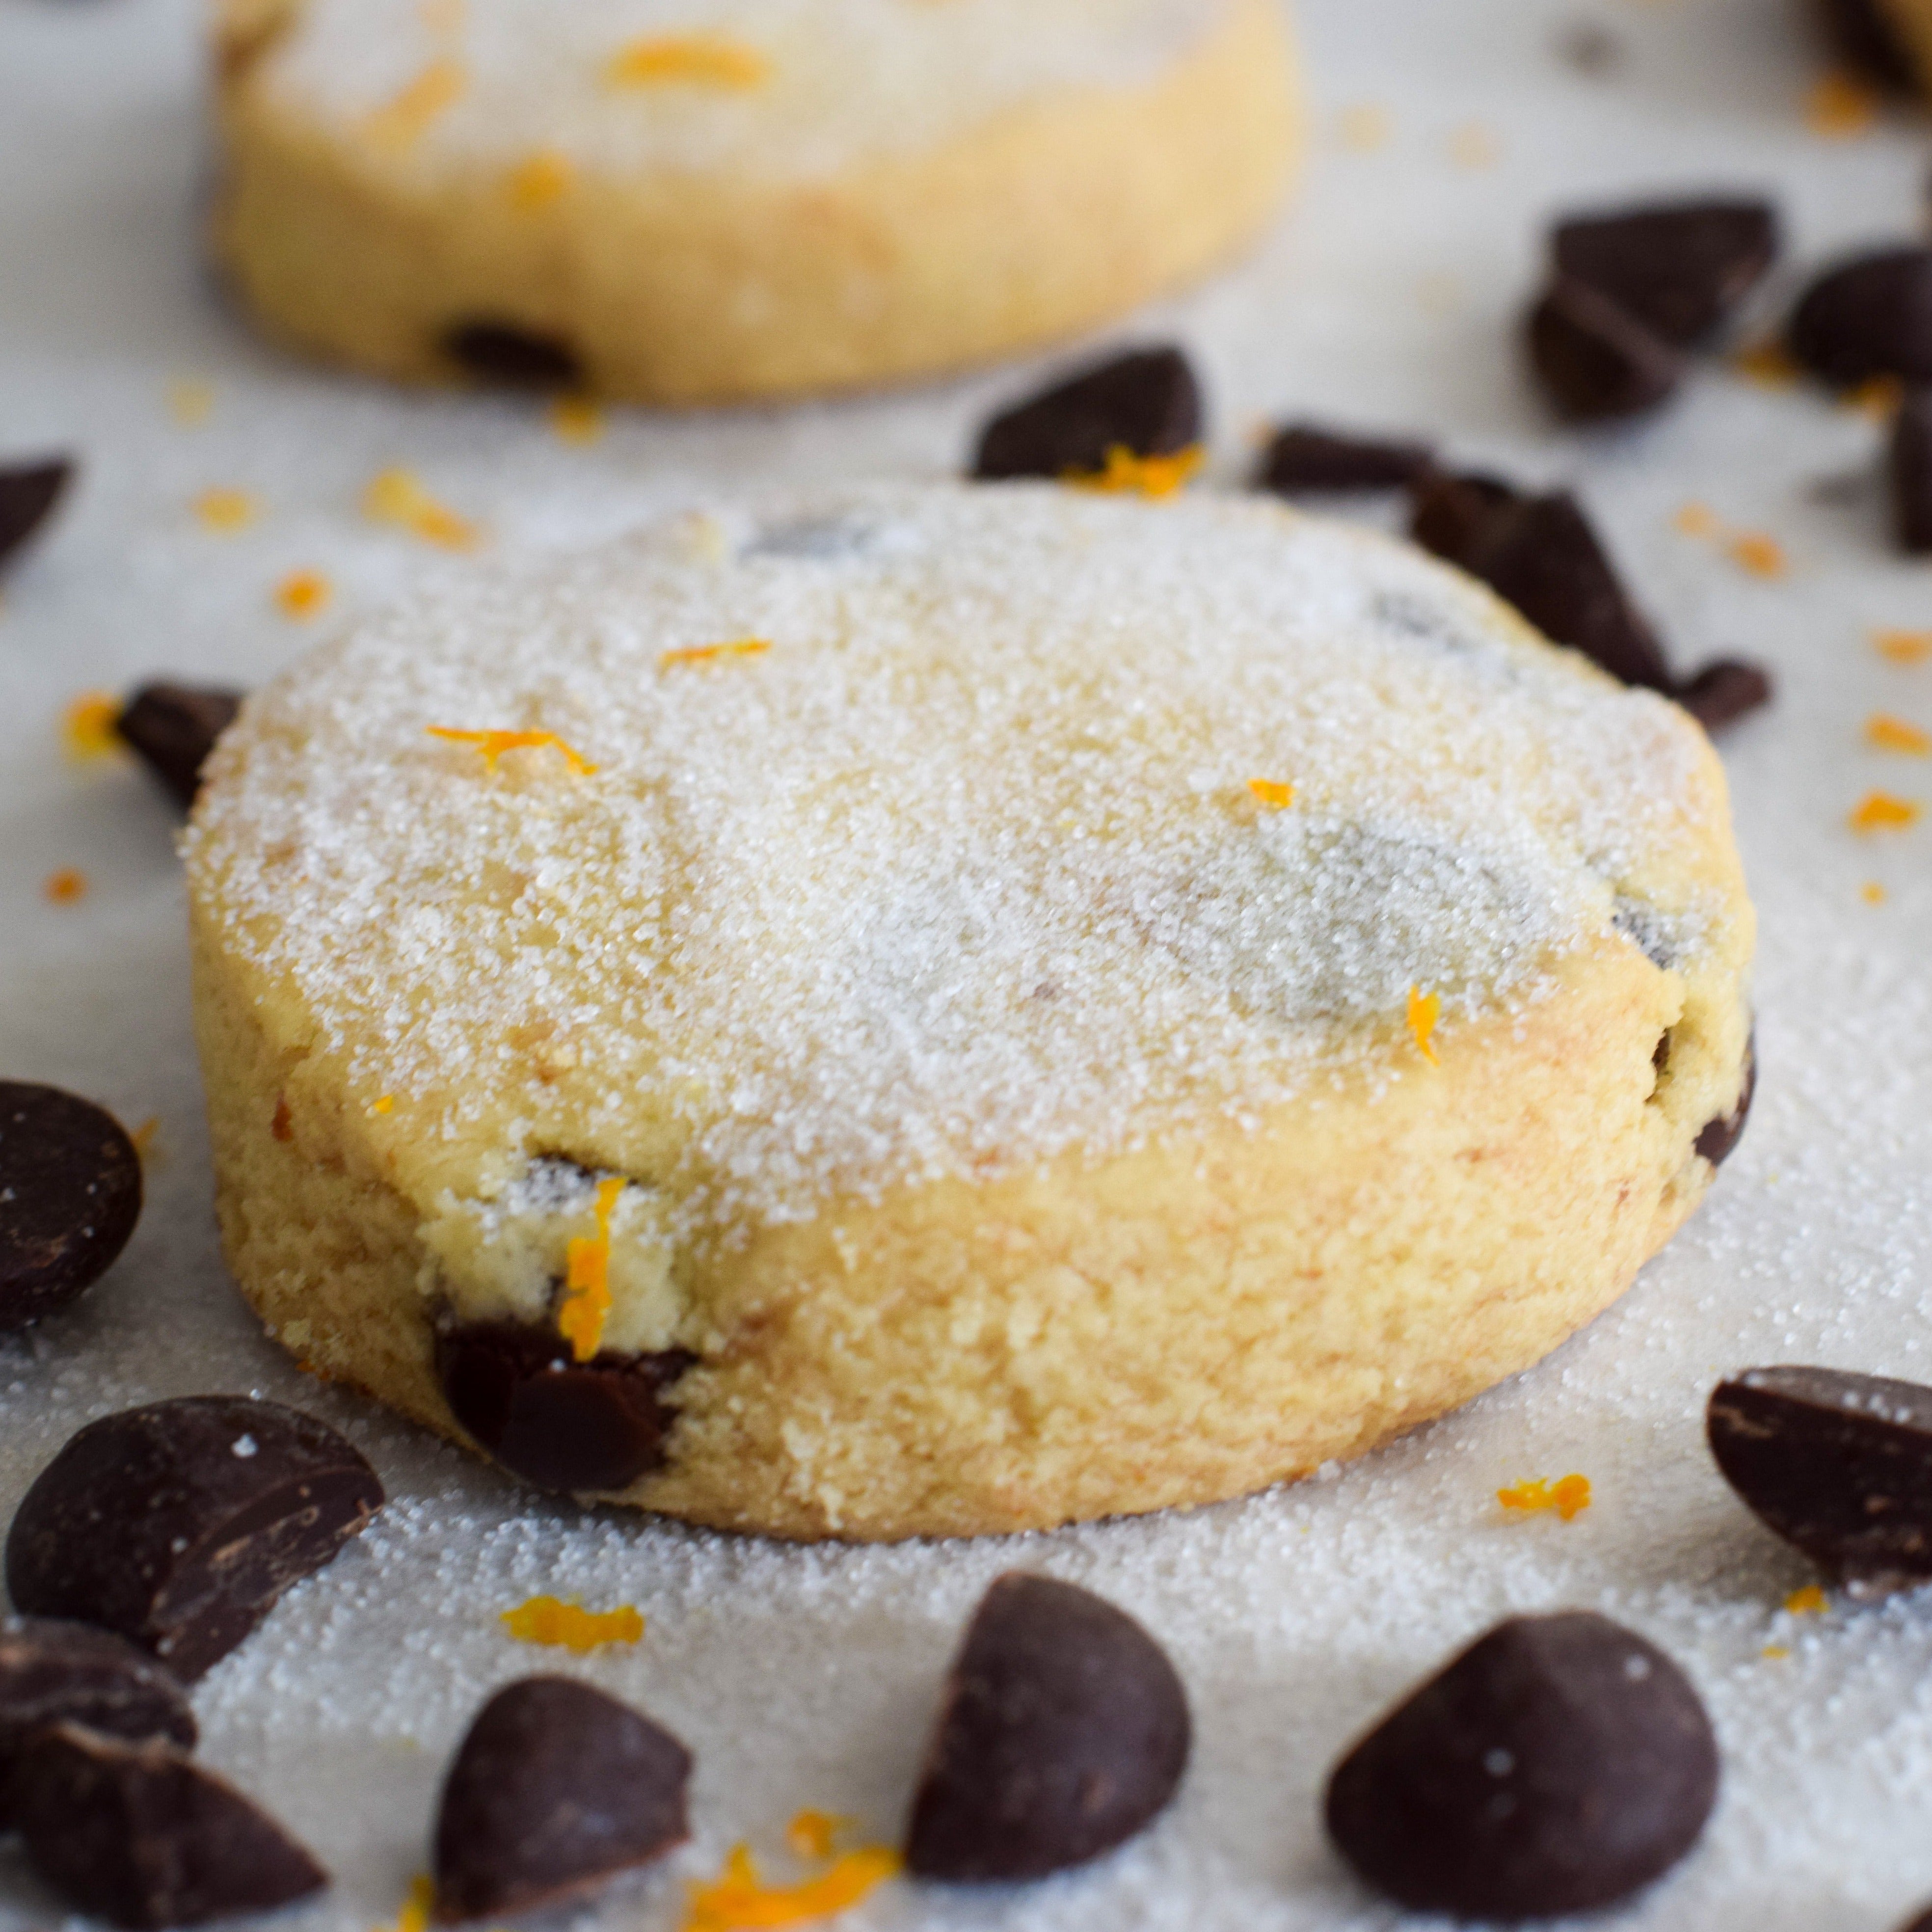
806	1677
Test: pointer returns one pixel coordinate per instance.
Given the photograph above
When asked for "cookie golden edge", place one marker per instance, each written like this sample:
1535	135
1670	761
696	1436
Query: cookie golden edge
1054	218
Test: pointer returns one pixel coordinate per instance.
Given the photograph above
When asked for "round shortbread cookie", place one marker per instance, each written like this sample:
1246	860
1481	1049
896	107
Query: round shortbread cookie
688	201
1058	1004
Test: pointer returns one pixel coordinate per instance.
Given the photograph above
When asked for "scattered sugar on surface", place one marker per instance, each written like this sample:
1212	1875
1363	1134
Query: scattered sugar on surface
965	870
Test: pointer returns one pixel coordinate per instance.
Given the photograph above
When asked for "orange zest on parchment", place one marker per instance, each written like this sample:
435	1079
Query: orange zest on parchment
1873	893
68	887
1569	1496
548	1620
739	1900
1903	647
1768	363
576	419
1424	1010
699	654
225	511
1840	105
414	1917
303	594
1763	556
493	744
814	1835
1881	811
396	495
587	1284
1809	1601
1884	733
87	726
1143	475
1273	794
190	400
403	120
689	60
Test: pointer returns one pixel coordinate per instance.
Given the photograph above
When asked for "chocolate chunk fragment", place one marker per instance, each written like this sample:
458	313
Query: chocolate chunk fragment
1723	691
1594	358
558	1422
70	1184
180	1524
496	352
1860	32
173	727
1147	402
52	1672
1304	459
1556	1765
1678	268
1837	1464
1718	1136
1869	317
1063	1732
1909	471
1923	1923
28	492
1452	515
140	1835
556	1789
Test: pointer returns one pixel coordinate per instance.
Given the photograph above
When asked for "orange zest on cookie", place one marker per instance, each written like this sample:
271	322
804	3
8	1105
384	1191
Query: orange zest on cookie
1144	475
1904	647
493	744
699	654
403	121
396	497
1809	1601
1872	892
1569	1496
385	1104
540	179
587	1282
1880	811
1887	733
548	1620
1424	1010
302	594
1273	794
738	1900
87	726
692	60
66	887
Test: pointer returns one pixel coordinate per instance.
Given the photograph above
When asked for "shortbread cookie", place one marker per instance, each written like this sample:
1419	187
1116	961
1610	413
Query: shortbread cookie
954	1009
694	200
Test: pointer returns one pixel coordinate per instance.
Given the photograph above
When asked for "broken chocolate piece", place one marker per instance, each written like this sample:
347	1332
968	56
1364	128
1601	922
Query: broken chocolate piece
560	1424
1303	459
180	1524
497	352
1557	1764
173	727
1723	691
555	1788
28	492
1452	515
71	1180
1869	317
1717	1137
141	1836
1596	360
1923	1923
1839	1465
1147	402
52	1672
1063	1732
1860	32
1909	471
1678	268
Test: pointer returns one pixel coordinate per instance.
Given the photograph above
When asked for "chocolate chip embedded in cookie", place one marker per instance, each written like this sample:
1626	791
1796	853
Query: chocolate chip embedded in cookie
517	358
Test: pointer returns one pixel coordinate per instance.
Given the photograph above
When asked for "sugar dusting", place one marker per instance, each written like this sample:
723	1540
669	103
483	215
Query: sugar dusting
965	870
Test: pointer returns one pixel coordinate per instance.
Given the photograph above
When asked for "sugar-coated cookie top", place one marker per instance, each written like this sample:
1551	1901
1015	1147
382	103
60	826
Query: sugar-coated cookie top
766	87
1008	820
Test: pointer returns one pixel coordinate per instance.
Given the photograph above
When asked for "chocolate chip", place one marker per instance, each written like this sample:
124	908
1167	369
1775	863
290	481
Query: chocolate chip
1556	1765
52	1672
497	352
1869	317
173	727
1678	268
1147	402
1595	359
556	1789
140	1835
1304	459
1723	691
1720	1135
1909	471
28	492
1063	1732
1837	1464
1452	514
71	1180
180	1524
558	1422
1860	32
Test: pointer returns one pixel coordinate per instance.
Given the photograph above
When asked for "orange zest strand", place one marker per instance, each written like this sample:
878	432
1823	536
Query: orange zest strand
190	400
403	121
87	726
414	1917
813	1834
143	1136
303	594
1877	397
738	1900
540	179
699	654
576	419
1273	794
1903	647
1839	106
1809	1601
396	497
548	1620
1763	556
1872	892
493	744
586	1283
1569	1496
690	60
225	511
1424	1010
1767	363
385	1104
1887	733
1881	811
1774	1653
1696	520
1144	475
67	886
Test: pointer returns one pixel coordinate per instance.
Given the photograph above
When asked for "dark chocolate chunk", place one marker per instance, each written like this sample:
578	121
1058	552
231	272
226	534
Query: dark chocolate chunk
1909	471
1678	268
1718	1136
1556	1765
1063	1732
556	1422
1869	317
1723	691
173	727
1923	1923
180	1524
556	1789
1839	1465
70	1184
141	1836
497	352
1304	459
52	1672
28	492
1452	515
1595	359
1860	32
1147	402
